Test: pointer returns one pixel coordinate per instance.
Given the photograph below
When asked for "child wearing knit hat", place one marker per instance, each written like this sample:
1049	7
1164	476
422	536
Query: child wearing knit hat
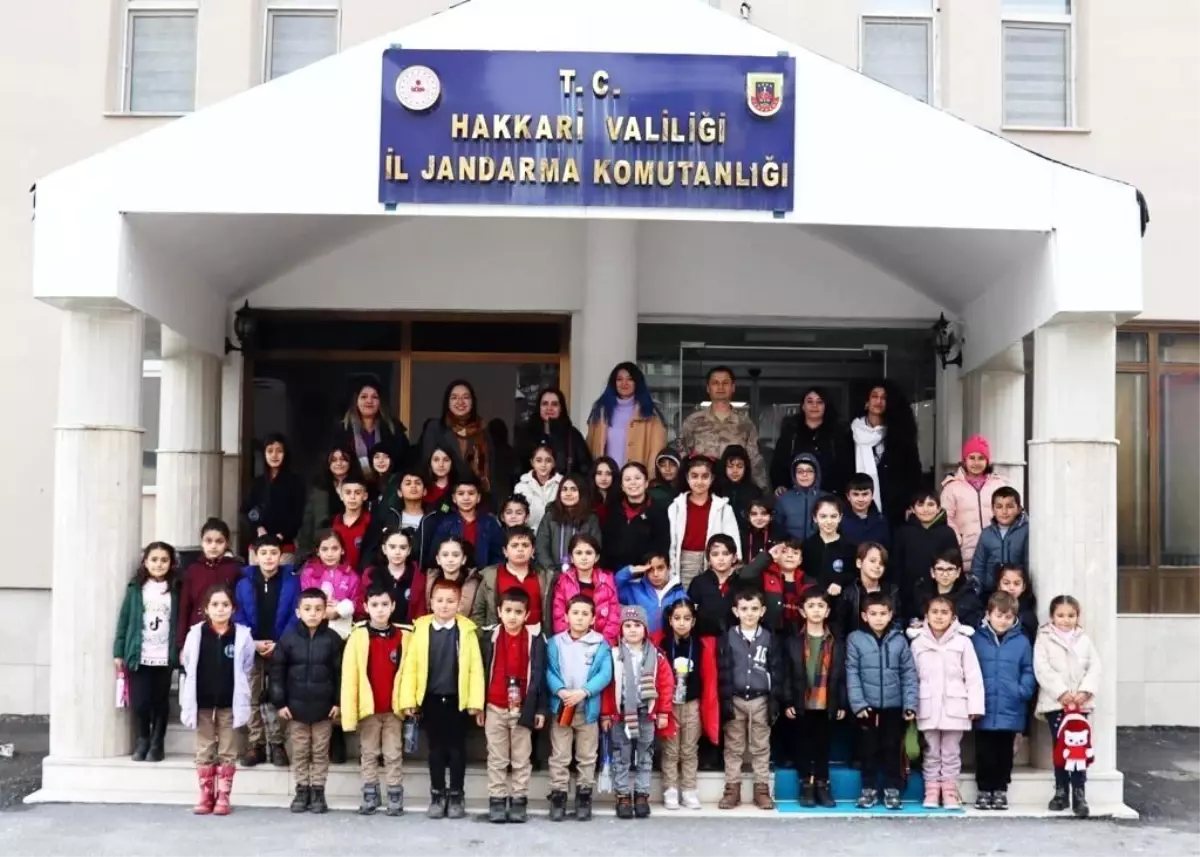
635	706
967	495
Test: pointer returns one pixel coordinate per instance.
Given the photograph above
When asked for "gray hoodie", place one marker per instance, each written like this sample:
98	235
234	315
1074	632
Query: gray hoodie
794	509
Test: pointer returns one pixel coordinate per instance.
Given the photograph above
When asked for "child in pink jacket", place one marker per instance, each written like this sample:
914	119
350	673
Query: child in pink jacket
951	696
328	572
582	577
967	495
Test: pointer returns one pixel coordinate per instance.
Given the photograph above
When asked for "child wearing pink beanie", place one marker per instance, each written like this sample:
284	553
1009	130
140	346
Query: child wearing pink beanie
967	494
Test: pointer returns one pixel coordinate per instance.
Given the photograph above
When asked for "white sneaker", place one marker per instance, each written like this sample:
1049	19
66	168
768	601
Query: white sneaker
691	799
671	798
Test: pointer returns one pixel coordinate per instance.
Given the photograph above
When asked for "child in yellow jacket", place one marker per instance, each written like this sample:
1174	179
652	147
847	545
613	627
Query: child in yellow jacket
442	683
371	698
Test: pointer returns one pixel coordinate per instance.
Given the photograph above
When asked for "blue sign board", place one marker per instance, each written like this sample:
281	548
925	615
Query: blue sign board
587	129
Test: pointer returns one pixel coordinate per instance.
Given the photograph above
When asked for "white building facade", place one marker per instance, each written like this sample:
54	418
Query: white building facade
897	213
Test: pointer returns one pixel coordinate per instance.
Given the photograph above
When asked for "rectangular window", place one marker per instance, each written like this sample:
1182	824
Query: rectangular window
896	46
1038	63
151	392
296	38
160	60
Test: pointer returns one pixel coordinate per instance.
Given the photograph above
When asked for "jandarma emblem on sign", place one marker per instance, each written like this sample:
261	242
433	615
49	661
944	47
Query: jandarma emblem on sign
764	93
418	88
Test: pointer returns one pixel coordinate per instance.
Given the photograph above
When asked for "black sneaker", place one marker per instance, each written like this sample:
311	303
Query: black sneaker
456	808
140	749
518	810
370	799
1079	804
1000	800
558	806
983	800
891	798
497	810
583	803
824	796
624	806
395	805
279	756
1060	801
300	801
808	794
437	805
867	799
317	802
641	805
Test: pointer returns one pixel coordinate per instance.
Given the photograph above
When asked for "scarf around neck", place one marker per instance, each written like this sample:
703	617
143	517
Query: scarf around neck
472	444
362	449
868	444
637	691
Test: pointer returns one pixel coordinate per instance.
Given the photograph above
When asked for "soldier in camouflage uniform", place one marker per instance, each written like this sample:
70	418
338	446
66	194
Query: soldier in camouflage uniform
709	430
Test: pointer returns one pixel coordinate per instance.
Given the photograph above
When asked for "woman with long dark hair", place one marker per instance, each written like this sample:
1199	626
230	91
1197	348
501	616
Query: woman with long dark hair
635	526
568	516
625	424
366	423
549	422
464	434
884	440
817	431
324	498
275	502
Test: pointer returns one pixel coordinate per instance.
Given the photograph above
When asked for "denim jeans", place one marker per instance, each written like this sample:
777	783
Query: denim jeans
623	751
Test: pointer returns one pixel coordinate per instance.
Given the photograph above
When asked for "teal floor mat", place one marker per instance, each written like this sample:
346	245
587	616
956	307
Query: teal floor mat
910	809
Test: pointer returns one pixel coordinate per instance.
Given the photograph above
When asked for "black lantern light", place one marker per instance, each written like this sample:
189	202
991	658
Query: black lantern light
947	341
245	327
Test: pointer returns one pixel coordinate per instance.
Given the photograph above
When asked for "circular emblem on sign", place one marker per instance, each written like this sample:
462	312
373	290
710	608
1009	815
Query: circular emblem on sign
418	88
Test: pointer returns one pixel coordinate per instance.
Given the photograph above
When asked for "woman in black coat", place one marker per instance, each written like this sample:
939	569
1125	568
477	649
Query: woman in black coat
817	431
366	423
884	445
550	422
275	502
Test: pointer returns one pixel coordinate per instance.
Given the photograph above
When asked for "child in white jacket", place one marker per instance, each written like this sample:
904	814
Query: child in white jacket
695	516
540	485
1067	668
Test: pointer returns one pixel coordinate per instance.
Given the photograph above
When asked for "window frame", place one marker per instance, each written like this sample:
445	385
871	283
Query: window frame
152	368
1153	369
1043	21
930	17
300	9
153	9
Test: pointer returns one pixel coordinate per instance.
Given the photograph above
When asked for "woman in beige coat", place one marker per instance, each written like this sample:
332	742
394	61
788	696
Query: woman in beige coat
625	424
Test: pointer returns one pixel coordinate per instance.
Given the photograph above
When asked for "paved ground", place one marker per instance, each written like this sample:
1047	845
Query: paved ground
1162	782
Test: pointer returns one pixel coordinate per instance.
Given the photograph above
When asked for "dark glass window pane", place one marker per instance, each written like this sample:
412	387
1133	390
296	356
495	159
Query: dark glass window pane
1179	347
1132	348
1133	471
1179	436
276	333
518	337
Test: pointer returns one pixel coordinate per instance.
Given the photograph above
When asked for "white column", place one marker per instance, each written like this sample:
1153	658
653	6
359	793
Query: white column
189	458
231	440
97	525
1072	502
948	393
995	397
605	332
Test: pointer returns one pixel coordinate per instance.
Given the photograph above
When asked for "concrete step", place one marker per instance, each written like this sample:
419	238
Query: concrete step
173	782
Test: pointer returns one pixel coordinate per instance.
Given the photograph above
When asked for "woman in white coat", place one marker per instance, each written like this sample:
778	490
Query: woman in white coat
540	485
695	516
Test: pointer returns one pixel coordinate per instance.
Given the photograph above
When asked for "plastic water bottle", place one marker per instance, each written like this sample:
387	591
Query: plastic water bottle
514	695
411	731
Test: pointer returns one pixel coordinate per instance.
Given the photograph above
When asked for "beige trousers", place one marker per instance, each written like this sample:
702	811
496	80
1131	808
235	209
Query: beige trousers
584	737
691	563
508	743
310	751
680	752
216	741
381	733
750	726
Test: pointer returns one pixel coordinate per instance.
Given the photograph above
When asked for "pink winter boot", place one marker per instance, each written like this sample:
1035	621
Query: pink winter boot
950	798
931	794
207	776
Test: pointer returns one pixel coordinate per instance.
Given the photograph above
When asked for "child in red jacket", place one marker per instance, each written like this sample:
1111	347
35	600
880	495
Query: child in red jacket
696	707
640	700
214	568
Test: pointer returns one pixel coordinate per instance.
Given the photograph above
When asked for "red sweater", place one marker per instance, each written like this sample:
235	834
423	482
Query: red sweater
506	580
383	659
511	659
695	531
352	537
200	575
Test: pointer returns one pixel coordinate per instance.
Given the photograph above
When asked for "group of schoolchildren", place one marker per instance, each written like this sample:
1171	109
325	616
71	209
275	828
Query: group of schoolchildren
751	627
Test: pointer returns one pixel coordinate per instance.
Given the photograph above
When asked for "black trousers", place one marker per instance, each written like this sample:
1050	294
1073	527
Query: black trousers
993	759
1062	777
810	735
446	728
880	746
150	697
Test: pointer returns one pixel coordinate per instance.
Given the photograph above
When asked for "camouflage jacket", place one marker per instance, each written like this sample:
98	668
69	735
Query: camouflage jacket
705	433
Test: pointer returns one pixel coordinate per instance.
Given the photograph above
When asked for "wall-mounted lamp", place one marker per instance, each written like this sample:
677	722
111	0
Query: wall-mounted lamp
947	341
245	327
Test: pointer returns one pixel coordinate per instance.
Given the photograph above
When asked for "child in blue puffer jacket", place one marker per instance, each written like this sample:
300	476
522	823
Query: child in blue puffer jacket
1006	661
881	680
